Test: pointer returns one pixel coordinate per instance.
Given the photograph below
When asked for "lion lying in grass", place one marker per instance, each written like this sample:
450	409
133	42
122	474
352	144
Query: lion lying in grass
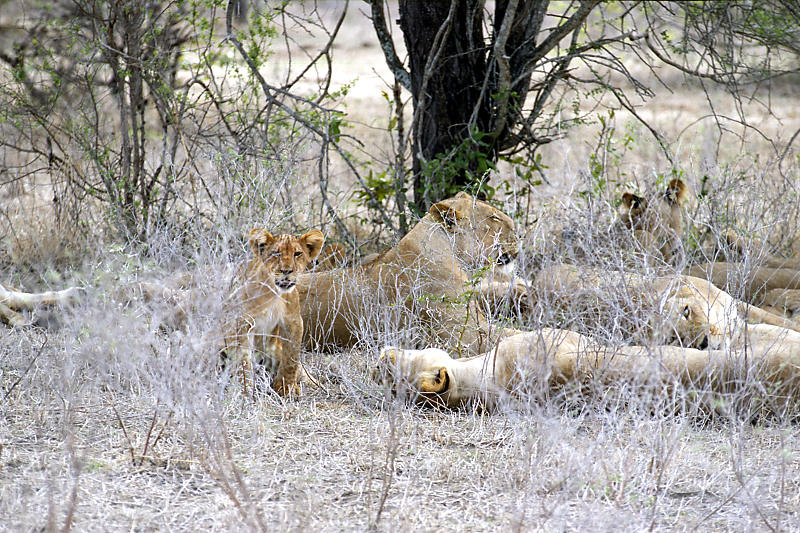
268	330
13	301
432	276
657	310
548	359
758	284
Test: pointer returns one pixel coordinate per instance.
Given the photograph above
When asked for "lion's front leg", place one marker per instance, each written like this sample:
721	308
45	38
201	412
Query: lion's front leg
287	355
238	352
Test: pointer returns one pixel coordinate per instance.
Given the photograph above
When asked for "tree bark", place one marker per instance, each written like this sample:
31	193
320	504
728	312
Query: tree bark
447	60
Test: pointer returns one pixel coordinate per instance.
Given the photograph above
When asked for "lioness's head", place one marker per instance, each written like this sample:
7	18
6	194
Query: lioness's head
422	374
697	322
483	234
656	212
283	257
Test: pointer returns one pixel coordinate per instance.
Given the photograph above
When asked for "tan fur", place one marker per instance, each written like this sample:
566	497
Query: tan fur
649	229
429	275
333	255
550	358
269	328
755	283
656	220
688	309
785	301
13	300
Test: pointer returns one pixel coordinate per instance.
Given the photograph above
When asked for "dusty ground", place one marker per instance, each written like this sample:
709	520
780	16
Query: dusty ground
78	414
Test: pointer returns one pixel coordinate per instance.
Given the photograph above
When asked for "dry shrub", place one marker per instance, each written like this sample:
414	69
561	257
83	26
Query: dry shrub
114	409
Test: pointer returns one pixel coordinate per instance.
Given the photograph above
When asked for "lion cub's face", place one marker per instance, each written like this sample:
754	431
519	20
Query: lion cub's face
658	212
281	258
483	234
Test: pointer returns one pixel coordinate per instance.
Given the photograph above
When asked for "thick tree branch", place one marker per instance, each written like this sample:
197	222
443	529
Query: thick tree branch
555	36
387	45
503	88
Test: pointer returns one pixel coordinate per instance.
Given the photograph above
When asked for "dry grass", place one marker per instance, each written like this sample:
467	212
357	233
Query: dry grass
106	423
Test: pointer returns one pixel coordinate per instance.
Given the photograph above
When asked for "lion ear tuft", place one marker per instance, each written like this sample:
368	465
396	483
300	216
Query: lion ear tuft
677	191
437	384
445	214
260	237
312	241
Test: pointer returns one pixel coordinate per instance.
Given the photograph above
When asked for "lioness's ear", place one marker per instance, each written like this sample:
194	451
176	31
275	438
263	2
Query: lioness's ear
436	384
313	241
677	191
630	201
462	194
259	238
389	354
445	214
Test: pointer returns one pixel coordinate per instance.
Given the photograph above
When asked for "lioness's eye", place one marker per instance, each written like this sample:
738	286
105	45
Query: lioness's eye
495	218
276	253
298	254
686	312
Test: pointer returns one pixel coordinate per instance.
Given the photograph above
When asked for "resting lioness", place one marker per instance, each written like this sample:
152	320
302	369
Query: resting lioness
269	327
428	283
754	283
550	358
647	309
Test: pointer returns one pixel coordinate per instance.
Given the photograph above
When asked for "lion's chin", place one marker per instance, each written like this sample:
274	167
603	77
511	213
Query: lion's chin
285	285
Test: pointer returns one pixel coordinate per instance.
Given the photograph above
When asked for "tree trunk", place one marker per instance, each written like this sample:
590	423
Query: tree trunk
447	60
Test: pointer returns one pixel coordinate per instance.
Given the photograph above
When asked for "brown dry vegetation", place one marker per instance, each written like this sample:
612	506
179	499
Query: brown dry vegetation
106	423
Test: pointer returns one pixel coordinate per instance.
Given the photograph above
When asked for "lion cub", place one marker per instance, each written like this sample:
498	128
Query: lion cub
269	329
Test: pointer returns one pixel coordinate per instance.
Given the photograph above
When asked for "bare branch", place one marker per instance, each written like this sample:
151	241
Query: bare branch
503	88
387	45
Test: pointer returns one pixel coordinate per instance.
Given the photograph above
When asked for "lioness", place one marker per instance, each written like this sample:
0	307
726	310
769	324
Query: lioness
550	358
269	327
684	308
12	301
657	219
430	280
648	231
755	283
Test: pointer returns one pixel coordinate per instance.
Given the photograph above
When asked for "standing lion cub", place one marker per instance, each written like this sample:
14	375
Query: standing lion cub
268	329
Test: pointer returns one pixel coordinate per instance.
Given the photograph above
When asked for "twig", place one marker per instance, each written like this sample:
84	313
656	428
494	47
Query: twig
125	432
39	353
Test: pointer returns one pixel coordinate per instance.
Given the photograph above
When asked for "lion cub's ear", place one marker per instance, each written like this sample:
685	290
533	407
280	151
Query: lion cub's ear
445	214
260	239
677	191
312	242
631	201
436	384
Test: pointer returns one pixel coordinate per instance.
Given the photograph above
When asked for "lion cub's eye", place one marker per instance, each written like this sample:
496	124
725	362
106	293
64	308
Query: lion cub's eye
298	254
494	217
